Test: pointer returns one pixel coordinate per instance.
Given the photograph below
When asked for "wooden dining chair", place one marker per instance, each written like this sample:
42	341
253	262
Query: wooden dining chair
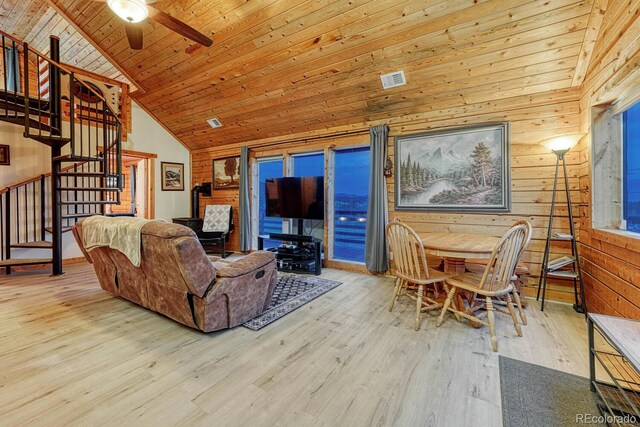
411	268
478	266
495	281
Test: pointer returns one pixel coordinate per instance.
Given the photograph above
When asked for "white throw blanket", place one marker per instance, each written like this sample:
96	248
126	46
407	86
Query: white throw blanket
119	233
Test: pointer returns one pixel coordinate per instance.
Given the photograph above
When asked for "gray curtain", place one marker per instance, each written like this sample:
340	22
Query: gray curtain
12	63
244	206
376	257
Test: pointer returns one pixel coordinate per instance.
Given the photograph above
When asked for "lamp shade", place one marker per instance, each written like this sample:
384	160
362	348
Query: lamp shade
130	10
562	142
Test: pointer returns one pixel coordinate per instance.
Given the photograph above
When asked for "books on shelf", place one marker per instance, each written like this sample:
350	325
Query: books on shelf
560	262
562	236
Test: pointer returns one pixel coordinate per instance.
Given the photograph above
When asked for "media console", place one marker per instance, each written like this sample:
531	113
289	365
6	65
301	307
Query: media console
297	253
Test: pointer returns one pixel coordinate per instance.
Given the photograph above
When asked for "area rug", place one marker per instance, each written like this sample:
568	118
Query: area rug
291	292
533	395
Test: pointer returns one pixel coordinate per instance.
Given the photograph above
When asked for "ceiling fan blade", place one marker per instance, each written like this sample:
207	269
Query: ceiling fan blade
134	35
178	26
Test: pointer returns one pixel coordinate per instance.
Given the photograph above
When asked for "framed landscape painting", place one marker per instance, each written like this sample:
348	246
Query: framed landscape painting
462	169
172	176
226	172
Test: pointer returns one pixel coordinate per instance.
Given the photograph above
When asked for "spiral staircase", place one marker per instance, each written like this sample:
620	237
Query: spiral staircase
60	109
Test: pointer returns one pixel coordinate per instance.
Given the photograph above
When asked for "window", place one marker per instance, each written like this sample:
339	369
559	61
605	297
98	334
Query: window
309	165
271	168
631	167
350	196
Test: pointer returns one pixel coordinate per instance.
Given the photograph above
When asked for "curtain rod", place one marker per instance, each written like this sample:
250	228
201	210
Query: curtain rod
315	138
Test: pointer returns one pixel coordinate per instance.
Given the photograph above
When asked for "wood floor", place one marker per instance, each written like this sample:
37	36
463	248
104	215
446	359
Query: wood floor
70	354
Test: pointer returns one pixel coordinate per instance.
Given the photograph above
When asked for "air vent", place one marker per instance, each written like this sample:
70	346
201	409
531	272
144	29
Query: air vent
214	123
393	79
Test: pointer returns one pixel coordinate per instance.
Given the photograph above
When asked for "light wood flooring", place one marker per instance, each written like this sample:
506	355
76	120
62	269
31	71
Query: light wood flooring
71	354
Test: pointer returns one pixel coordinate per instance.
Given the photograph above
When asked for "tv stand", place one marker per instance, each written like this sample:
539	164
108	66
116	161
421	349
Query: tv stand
303	255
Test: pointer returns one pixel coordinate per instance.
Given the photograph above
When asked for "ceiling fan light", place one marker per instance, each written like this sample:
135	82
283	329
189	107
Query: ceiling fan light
130	10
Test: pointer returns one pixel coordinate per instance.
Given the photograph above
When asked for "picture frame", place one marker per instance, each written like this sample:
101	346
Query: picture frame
464	169
172	176
5	155
226	173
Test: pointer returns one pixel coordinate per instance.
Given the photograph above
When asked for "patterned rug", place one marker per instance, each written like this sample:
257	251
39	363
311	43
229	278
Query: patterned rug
292	291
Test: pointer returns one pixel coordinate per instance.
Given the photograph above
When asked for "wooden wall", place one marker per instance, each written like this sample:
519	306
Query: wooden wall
611	261
532	118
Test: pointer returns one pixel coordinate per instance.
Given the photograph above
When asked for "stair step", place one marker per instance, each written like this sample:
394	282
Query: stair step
51	141
90	202
32	261
64	229
80	215
72	158
40	244
96	174
88	189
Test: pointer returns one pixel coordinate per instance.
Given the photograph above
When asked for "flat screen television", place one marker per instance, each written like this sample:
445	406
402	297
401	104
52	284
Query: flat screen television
295	197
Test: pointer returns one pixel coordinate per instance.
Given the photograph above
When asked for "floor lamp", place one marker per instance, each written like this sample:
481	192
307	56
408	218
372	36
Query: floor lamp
560	146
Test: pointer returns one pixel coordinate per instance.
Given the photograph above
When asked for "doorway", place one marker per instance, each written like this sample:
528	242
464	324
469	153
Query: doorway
137	195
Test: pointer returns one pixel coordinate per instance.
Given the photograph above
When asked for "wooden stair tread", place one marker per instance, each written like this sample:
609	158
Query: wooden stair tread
31	261
40	244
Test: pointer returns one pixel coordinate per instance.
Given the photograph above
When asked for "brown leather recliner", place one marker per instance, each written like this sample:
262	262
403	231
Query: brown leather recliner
177	279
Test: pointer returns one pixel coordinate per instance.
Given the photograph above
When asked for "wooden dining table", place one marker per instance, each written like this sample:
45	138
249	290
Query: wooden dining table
455	249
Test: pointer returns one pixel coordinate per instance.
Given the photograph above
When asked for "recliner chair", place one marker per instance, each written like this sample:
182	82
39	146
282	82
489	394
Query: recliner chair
177	279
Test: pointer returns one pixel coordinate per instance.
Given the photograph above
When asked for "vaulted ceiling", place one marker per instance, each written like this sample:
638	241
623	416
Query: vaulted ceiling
280	67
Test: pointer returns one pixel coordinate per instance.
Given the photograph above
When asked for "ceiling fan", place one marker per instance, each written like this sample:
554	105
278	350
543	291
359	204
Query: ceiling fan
135	11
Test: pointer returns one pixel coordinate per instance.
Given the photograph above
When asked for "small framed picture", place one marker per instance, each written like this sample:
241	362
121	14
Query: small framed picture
172	176
226	173
4	155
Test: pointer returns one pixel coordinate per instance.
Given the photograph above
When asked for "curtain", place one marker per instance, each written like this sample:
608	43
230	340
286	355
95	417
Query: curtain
12	64
244	207
376	257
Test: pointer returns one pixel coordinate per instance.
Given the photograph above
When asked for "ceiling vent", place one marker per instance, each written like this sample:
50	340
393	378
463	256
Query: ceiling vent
214	123
393	79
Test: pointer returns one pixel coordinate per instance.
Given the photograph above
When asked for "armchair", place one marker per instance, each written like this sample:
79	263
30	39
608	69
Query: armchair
216	226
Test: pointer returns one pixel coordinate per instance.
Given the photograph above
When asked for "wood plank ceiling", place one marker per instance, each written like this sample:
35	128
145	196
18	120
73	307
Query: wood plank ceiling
283	67
34	21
